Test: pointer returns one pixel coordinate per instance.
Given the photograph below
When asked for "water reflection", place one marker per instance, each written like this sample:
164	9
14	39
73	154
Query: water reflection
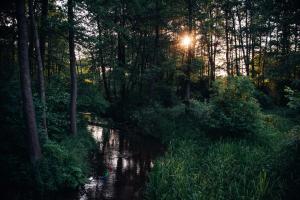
127	159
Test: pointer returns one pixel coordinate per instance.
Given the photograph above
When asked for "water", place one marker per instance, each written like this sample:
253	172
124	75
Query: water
127	160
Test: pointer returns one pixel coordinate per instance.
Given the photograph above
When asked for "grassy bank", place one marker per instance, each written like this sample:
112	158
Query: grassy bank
227	148
198	167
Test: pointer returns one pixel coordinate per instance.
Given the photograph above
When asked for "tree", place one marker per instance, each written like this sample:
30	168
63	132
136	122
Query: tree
44	17
100	54
122	49
40	67
28	107
73	101
190	52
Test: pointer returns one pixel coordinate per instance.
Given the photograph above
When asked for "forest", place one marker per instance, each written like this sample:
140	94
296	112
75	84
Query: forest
150	99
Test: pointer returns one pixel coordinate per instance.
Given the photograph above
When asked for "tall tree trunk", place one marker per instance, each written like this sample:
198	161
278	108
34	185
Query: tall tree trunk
142	66
260	56
44	25
211	50
247	63
157	33
211	68
31	55
73	102
28	107
227	42
40	78
49	59
190	52
252	56
121	53
242	43
252	37
103	71
237	69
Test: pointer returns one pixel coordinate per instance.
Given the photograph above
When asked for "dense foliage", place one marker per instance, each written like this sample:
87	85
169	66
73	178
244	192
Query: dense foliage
294	99
235	110
198	166
65	161
216	81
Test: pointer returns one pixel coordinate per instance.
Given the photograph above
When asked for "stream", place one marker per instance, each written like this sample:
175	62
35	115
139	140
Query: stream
126	161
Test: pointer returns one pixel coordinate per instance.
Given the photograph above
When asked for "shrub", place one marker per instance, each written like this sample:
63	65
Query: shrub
90	98
157	120
200	112
294	99
264	100
289	165
65	164
235	110
58	98
164	94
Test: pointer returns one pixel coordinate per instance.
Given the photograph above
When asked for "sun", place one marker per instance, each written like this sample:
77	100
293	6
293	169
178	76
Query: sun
186	41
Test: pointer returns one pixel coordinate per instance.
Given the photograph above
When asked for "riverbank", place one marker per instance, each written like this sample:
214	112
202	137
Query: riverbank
197	166
225	147
64	167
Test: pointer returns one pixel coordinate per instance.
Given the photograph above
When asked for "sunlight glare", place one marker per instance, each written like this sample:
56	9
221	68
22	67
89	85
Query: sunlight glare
186	41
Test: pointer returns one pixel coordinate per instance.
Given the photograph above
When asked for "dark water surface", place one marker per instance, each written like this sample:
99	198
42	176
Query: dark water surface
127	160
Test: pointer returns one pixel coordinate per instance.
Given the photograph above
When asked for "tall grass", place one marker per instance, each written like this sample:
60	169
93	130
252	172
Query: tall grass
200	167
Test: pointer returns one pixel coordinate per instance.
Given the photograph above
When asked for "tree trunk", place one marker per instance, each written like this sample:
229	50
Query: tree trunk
227	43
259	56
253	57
237	69
247	58
252	37
44	25
103	71
40	78
73	102
157	33
121	54
242	43
189	56
28	107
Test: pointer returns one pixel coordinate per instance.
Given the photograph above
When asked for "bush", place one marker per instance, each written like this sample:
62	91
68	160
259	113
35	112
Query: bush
157	120
90	98
65	161
289	166
200	113
164	94
197	167
232	111
65	165
264	100
58	98
235	110
294	99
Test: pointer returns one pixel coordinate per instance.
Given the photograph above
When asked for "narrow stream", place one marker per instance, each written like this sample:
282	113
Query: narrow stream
127	160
